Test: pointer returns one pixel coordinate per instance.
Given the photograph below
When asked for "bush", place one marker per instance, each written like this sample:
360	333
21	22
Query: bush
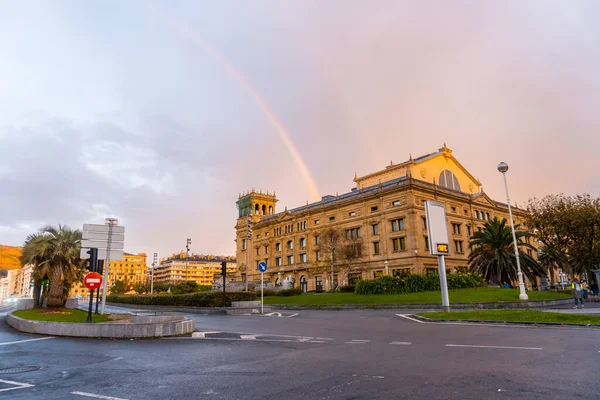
290	292
347	288
267	292
202	299
416	283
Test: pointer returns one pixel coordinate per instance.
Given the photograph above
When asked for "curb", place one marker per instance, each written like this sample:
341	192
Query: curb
466	321
462	306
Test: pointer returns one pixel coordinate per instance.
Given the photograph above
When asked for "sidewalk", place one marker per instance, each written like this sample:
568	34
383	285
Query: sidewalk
590	308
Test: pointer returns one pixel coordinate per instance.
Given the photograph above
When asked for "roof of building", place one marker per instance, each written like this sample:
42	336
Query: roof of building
202	258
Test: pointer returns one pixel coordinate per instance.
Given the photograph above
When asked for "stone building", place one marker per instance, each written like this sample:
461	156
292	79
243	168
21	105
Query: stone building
199	268
383	214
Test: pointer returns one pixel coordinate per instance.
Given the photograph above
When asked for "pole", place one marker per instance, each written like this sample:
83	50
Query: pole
444	284
247	261
107	263
89	317
224	294
152	280
262	298
100	270
522	293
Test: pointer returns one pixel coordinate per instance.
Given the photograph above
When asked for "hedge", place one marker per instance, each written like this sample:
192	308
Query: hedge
285	292
347	288
416	283
202	299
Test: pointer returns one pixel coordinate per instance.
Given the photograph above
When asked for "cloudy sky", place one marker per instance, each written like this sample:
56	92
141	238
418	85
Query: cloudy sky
160	113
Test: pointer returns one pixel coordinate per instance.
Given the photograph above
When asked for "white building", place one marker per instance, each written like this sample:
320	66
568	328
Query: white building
3	288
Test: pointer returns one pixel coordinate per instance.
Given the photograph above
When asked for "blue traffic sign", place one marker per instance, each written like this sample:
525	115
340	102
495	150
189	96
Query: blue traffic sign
262	266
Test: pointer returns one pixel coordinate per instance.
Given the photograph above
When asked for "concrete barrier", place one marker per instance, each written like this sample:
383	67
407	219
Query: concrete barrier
104	330
24	304
245	304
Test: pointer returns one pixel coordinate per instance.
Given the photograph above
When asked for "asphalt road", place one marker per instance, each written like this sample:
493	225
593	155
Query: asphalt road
312	355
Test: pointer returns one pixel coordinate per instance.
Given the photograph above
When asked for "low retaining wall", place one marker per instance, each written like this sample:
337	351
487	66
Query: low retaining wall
459	306
103	330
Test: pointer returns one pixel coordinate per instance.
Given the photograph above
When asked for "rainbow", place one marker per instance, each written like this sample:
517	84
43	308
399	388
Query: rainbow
283	134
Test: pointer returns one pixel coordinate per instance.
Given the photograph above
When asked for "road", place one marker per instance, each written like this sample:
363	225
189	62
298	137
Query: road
366	354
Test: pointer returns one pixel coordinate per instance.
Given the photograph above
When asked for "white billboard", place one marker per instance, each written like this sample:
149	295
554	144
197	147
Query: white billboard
437	228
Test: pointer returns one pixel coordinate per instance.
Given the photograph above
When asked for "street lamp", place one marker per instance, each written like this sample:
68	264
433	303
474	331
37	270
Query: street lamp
187	251
503	167
386	265
152	279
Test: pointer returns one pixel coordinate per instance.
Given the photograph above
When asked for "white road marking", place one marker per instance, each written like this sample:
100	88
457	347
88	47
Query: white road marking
493	347
293	315
117	359
273	314
96	396
358	341
201	335
315	341
19	385
328	338
247	337
402	343
28	340
410	318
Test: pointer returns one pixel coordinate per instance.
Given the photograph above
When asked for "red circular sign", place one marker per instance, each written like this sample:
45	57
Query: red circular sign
93	280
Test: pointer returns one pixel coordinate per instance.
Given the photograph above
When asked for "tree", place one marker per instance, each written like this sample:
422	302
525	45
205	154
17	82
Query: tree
141	288
54	254
569	230
119	287
341	253
493	256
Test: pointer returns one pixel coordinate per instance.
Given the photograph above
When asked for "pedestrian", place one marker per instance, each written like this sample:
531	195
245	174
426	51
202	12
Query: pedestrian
595	291
586	289
577	293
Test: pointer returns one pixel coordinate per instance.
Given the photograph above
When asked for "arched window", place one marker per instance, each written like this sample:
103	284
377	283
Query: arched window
264	210
448	180
256	209
270	210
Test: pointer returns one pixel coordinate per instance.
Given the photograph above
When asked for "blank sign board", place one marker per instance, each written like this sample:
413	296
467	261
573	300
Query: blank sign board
437	228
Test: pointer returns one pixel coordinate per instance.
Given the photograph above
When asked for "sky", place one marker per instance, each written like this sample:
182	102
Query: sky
161	113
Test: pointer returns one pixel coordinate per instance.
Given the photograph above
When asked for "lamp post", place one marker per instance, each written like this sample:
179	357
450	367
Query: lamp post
152	278
503	167
386	265
187	251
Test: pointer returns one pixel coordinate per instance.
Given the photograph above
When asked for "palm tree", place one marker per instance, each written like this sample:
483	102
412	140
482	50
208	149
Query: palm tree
54	253
493	256
552	258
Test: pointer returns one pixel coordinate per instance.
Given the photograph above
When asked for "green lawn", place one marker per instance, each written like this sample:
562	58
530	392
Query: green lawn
514	316
483	294
58	315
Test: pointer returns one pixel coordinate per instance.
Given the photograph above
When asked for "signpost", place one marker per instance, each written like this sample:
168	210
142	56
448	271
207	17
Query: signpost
437	231
262	267
109	240
92	281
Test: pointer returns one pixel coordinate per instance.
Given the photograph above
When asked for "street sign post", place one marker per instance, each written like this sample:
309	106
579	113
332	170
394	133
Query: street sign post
262	267
92	281
437	231
109	240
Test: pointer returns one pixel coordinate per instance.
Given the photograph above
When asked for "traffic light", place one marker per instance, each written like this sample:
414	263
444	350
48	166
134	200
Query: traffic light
92	259
224	268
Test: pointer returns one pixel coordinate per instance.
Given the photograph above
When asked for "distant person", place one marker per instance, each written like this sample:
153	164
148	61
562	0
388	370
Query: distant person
506	285
594	288
577	293
586	289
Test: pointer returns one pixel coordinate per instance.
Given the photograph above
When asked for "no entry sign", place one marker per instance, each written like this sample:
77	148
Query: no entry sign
93	280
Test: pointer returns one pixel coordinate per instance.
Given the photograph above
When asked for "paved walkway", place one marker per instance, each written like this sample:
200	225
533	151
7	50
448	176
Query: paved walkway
590	308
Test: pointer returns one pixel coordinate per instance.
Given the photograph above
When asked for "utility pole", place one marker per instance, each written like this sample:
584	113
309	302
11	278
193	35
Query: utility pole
110	222
248	238
187	251
152	275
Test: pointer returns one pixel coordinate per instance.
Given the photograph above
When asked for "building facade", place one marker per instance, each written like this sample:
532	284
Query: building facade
132	269
383	215
199	268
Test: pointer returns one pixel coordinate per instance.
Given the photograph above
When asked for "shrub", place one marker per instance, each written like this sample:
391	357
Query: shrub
347	288
267	292
201	299
290	292
416	283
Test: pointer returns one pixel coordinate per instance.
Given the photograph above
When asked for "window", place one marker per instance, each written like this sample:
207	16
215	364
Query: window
401	272
244	244
476	214
453	209
303	257
398	225
426	243
317	221
317	240
257	262
396	203
318	255
302	242
399	244
375	247
290	244
352	214
487	216
458	246
424	223
258	251
466	211
529	252
353	233
277	231
278	261
258	235
456	229
331	219
290	260
448	180
479	229
354	278
277	246
469	230
377	274
266	249
374	208
375	229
